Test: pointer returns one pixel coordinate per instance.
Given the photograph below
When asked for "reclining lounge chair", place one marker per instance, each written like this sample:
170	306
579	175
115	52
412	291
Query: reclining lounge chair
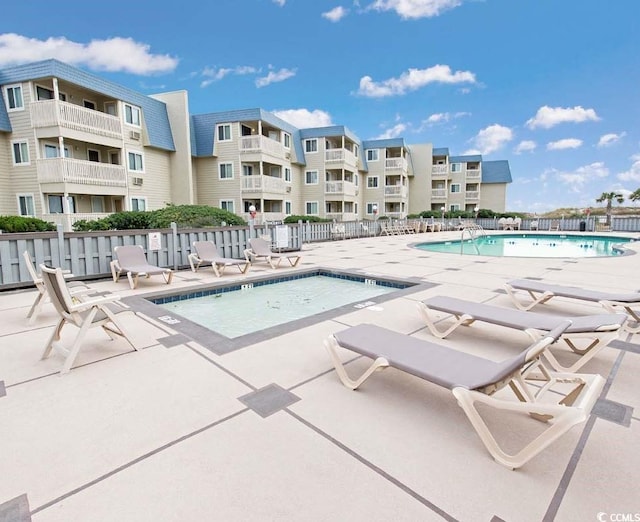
88	313
260	249
206	252
131	259
540	292
598	330
475	380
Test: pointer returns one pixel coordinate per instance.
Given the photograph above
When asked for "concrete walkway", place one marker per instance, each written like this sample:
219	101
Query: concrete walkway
176	432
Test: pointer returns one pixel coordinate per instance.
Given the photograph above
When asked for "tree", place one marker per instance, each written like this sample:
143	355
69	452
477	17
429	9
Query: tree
635	196
609	197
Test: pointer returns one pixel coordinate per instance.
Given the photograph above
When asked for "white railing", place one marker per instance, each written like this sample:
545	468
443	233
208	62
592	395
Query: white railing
263	184
472	194
52	113
439	193
395	190
263	217
396	164
395	215
473	173
340	187
258	143
440	170
340	155
67	170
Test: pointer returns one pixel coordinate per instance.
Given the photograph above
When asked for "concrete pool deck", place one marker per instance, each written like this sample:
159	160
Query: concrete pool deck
176	432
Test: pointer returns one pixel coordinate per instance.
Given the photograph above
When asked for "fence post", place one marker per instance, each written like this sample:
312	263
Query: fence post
61	252
174	233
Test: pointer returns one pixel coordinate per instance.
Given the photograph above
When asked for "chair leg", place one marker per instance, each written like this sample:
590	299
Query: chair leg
36	306
463	320
332	347
53	338
77	343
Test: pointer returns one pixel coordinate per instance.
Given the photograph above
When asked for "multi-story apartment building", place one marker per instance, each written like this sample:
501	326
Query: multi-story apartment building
75	146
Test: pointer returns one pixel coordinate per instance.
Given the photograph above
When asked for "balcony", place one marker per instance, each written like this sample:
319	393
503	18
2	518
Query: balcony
263	184
67	170
439	170
472	194
473	174
340	156
346	188
398	191
261	145
396	164
439	193
56	113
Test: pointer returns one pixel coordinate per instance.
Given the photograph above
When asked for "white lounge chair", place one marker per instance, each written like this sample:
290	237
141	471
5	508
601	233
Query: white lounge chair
131	260
540	292
206	252
260	249
473	380
597	330
88	313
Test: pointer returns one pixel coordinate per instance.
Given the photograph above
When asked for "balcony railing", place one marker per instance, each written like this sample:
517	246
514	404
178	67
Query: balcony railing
473	173
67	170
262	144
67	220
340	155
340	187
396	164
395	190
56	113
439	193
472	194
263	184
341	216
440	170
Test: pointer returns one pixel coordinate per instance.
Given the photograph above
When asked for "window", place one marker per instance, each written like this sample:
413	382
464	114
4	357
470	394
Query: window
456	167
454	208
372	154
42	93
224	132
94	155
20	153
274	172
135	162
356	179
14	98
132	115
372	182
56	204
287	174
311	145
25	205
227	204
370	208
355	151
52	151
247	170
139	204
311	208
111	108
97	204
311	177
287	208
89	104
226	170
455	187
287	140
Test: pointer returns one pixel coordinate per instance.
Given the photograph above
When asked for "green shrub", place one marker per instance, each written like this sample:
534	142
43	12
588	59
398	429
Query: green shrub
191	216
310	219
13	224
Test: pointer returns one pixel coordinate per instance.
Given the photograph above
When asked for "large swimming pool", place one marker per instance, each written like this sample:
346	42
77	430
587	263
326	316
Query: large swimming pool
532	245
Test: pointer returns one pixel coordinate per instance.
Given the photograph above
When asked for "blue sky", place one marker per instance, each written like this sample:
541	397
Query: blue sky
552	86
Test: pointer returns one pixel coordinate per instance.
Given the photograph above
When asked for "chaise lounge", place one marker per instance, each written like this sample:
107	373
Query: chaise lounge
260	249
598	330
473	380
206	252
131	260
540	292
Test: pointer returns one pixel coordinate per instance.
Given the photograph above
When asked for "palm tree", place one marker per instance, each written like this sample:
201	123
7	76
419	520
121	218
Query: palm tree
635	196
609	197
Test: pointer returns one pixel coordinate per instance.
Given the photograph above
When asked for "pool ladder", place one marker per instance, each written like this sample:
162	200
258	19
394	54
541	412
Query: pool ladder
473	231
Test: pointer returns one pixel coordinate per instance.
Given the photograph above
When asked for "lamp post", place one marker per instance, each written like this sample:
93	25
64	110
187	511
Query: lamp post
476	209
252	213
374	208
442	209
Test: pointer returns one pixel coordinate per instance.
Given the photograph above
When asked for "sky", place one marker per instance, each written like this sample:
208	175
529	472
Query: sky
552	86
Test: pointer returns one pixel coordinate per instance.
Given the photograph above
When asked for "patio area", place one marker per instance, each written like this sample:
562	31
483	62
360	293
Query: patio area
177	432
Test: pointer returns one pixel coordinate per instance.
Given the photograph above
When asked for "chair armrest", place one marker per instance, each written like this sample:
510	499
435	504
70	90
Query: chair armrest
88	303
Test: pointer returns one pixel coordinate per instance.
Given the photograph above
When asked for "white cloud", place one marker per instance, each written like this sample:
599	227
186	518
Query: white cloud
412	80
633	174
490	139
579	178
409	9
113	54
280	2
275	76
392	132
548	117
566	143
213	75
609	139
335	14
525	146
304	118
443	117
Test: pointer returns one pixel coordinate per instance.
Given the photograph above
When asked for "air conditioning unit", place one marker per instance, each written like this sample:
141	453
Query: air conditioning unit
134	135
288	189
137	181
287	155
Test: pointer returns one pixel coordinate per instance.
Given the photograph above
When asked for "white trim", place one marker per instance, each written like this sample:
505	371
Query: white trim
220	171
459	191
138	153
377	182
6	96
309	172
287	169
227	201
13	153
377	151
139	198
223	125
33	203
286	135
134	109
309	140
314	202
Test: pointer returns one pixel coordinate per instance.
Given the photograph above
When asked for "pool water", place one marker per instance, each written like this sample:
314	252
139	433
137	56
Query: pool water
253	308
532	245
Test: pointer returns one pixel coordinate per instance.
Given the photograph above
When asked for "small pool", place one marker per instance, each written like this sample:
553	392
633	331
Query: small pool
533	245
243	309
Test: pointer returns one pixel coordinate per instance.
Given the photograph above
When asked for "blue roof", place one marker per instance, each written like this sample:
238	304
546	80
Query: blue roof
327	132
384	144
465	159
203	128
154	111
442	151
497	171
